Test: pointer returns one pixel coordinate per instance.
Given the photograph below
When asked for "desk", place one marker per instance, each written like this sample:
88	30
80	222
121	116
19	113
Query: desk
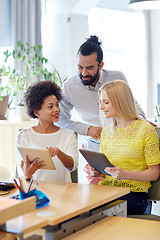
114	228
73	206
7	236
10	208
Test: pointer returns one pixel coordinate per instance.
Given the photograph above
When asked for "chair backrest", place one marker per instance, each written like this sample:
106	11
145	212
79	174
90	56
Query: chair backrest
158	132
4	174
74	176
154	190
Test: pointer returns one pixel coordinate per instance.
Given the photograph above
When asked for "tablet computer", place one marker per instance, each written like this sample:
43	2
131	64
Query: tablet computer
42	154
97	160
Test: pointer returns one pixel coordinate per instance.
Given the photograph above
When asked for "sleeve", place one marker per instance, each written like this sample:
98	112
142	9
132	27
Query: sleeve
139	110
65	120
72	149
151	146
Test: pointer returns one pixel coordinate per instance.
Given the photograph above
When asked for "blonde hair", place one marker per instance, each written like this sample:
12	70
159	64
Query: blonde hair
121	98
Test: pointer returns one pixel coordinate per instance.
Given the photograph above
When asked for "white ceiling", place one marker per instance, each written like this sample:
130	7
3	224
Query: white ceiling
114	4
84	6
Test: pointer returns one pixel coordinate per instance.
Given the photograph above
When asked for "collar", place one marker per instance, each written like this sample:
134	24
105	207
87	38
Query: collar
98	84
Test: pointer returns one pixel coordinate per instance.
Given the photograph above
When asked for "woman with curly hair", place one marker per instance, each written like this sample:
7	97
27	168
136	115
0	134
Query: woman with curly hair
42	102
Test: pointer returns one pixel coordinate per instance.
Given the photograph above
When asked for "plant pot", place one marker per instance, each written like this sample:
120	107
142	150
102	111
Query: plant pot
3	107
21	113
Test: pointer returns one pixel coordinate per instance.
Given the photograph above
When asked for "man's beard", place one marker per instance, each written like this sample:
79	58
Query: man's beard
92	79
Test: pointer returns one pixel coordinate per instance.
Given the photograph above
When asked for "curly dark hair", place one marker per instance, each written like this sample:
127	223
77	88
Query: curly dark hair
92	45
36	93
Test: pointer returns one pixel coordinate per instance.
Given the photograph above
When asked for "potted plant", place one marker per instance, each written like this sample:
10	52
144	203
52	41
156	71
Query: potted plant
29	67
158	114
6	93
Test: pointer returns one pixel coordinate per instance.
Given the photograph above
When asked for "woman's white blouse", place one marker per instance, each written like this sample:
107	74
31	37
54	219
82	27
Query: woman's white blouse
64	139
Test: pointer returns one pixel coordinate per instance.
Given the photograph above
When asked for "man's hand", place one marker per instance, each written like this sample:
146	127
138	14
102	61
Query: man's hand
94	132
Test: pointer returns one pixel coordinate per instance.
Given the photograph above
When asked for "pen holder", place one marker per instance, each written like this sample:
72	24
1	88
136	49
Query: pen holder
41	199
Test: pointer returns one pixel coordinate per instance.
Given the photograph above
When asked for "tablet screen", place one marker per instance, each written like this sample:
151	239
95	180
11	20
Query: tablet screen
42	154
97	160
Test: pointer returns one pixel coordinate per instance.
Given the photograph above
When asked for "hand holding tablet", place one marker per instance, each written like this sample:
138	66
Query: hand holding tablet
42	154
97	160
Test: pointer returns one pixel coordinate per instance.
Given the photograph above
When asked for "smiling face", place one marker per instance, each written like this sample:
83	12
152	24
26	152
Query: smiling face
49	111
106	106
89	69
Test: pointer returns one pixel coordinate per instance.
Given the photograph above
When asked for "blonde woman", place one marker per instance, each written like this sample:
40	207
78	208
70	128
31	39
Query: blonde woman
131	144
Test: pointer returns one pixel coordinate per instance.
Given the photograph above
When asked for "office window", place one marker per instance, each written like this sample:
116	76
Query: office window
158	93
5	23
5	28
124	46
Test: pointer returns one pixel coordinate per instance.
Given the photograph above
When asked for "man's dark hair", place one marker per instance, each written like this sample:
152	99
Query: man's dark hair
92	45
36	93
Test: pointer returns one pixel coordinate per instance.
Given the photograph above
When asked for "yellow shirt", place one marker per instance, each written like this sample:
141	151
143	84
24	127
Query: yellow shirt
133	149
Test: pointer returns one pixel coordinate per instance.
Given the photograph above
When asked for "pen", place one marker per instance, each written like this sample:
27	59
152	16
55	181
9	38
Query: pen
31	181
35	185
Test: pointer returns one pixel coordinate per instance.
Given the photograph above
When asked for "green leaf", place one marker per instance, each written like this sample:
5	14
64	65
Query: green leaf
23	58
157	110
33	66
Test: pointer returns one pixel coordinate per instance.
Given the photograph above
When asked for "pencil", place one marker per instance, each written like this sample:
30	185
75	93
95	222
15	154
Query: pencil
17	186
31	181
21	184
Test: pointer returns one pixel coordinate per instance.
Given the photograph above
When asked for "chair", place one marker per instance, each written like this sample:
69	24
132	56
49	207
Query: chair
74	176
158	132
154	195
4	174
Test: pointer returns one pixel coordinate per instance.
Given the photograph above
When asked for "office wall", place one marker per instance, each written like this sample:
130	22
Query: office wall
62	35
56	41
153	31
155	46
